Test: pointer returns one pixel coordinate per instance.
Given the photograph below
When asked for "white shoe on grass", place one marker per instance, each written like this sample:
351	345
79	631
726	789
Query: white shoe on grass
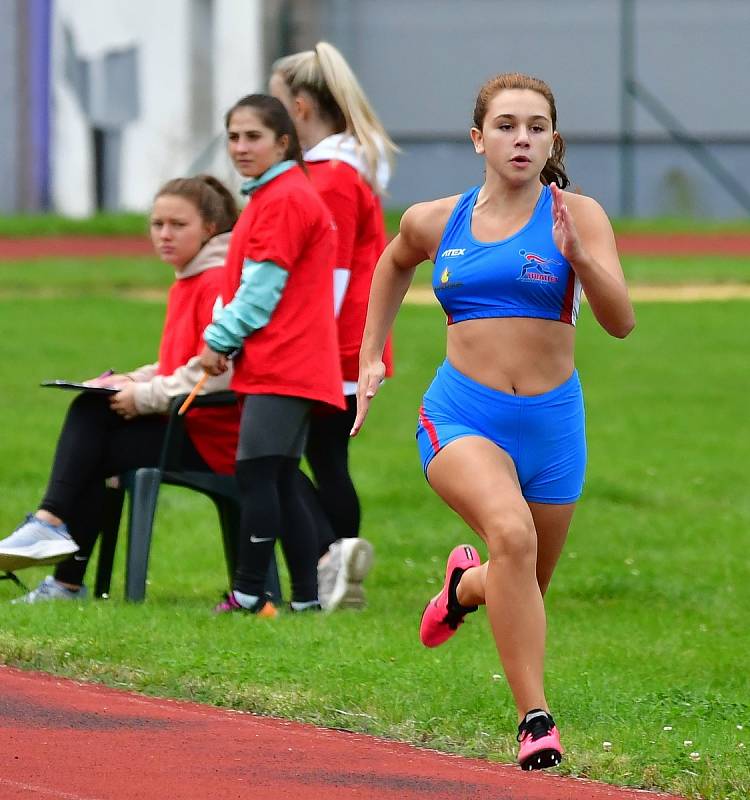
50	589
341	572
34	543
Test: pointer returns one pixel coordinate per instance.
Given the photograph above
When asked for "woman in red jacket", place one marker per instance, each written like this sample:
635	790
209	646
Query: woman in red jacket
102	436
279	322
348	156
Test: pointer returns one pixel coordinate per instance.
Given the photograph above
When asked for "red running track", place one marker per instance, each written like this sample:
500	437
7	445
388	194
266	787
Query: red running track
73	741
678	244
726	244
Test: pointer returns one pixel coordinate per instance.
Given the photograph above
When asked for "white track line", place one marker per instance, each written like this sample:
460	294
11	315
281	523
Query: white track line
28	787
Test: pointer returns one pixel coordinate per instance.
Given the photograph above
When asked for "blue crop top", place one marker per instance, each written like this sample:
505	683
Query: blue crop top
522	276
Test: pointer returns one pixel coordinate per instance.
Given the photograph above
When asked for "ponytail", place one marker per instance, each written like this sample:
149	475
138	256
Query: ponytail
229	212
554	169
327	77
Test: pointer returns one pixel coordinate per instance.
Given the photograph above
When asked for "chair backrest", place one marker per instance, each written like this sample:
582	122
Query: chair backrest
171	454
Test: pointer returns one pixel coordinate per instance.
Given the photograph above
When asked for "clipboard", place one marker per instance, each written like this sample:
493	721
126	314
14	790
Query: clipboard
78	387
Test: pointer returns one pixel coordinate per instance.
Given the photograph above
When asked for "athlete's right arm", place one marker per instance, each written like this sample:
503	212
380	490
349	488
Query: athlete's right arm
391	280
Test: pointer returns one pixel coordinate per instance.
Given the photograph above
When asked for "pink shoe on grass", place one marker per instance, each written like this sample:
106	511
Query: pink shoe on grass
443	614
263	608
540	741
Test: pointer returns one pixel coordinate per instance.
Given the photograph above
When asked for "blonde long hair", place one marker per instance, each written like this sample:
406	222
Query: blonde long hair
325	74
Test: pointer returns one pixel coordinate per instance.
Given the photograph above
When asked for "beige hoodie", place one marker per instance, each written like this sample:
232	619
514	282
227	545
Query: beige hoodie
154	393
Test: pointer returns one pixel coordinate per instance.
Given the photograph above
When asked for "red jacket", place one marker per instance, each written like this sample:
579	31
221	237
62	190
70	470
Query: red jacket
296	353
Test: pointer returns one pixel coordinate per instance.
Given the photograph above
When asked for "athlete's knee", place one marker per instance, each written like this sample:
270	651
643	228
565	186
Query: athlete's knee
510	536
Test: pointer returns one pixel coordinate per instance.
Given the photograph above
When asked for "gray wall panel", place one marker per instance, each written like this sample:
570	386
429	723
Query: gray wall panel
422	62
695	56
667	181
9	107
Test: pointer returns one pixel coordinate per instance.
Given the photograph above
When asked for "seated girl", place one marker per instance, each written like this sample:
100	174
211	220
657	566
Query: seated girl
105	435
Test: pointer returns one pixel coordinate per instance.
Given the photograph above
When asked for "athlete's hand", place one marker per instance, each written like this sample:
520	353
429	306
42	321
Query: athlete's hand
123	403
564	231
371	376
212	362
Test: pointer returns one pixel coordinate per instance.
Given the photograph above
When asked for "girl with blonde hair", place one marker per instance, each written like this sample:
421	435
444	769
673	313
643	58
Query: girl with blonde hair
349	156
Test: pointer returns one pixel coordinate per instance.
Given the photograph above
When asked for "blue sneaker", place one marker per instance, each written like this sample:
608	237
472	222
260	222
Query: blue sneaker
50	589
34	543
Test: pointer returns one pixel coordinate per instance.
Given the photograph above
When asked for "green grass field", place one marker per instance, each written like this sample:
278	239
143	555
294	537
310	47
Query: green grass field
134	224
100	224
146	278
647	613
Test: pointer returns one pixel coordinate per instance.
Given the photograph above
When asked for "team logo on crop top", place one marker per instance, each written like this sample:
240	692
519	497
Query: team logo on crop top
445	281
535	268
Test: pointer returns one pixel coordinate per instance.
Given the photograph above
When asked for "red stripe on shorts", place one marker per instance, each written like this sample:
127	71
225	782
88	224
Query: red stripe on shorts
566	312
430	428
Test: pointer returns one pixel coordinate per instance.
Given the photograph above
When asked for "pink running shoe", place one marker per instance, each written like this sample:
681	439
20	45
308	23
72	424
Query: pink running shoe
443	614
540	741
263	608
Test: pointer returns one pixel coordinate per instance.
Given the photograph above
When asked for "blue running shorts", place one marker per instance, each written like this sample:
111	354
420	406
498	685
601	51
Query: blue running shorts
544	434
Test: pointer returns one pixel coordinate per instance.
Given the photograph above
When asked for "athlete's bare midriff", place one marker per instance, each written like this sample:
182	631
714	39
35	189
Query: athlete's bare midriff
516	355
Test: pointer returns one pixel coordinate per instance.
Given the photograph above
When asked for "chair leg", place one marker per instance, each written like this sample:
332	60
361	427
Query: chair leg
112	513
11	576
143	497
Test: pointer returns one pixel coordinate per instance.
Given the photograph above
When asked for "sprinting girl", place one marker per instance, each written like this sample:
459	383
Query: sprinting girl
501	428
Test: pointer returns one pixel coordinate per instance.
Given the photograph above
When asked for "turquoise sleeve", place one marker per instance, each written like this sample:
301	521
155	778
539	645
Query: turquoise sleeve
250	309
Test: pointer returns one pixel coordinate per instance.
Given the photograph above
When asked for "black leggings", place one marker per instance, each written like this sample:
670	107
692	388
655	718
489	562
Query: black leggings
272	508
94	444
327	453
271	441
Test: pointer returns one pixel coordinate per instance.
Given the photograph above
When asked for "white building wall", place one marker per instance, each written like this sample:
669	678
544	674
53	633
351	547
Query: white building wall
158	145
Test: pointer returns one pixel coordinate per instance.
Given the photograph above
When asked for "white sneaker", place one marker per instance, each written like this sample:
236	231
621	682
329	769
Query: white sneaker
50	589
340	575
34	543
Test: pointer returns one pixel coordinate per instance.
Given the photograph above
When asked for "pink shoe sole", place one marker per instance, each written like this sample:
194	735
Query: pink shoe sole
540	753
439	622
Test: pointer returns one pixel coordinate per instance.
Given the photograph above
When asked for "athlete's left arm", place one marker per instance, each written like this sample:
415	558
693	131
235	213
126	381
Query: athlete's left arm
583	234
